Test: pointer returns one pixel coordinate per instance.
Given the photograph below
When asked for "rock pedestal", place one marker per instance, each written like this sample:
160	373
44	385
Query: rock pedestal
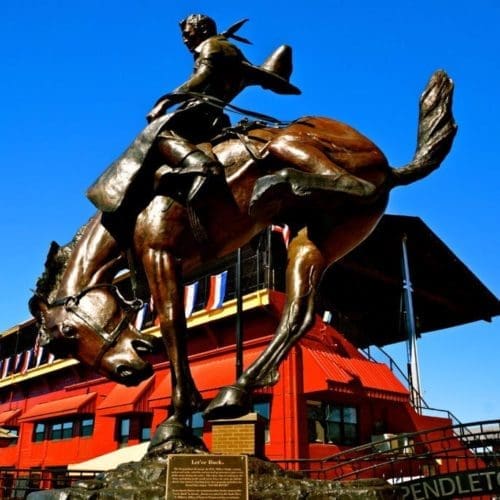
147	480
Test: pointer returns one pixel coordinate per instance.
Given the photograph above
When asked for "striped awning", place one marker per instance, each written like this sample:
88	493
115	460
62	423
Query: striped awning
327	369
123	399
9	417
83	403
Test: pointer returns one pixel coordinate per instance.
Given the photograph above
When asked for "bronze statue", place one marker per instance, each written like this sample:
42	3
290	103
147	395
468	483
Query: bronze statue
325	180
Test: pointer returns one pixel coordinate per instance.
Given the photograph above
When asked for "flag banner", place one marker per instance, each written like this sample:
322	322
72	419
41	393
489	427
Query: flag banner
327	317
141	317
154	316
17	362
217	291
5	367
190	294
26	361
284	231
39	354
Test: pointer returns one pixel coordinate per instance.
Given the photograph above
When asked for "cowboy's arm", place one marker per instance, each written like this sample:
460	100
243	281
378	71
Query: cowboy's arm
198	82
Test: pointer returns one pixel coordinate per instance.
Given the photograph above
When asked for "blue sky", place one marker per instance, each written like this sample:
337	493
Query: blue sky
78	77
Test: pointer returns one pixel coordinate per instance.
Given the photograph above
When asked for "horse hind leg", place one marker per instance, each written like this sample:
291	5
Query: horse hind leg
304	270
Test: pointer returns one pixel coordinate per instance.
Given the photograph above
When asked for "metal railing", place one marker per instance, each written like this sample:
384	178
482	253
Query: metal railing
424	453
394	367
19	483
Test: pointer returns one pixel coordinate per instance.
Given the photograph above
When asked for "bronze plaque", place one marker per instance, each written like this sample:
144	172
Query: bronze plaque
207	477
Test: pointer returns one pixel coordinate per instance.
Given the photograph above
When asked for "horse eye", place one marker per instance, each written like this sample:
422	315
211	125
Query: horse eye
68	331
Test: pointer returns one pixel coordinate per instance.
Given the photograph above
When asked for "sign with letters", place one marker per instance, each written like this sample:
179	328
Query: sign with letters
207	477
457	485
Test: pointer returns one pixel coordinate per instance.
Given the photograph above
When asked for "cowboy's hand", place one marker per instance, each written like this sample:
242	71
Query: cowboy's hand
158	110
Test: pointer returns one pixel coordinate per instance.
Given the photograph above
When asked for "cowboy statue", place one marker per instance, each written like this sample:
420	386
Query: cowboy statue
178	143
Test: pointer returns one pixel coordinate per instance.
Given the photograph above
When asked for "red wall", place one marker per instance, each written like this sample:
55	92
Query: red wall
288	426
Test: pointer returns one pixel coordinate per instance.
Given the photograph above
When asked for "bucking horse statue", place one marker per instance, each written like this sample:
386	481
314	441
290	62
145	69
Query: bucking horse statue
324	179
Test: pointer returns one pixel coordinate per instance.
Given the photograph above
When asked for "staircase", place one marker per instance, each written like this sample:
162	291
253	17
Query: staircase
433	452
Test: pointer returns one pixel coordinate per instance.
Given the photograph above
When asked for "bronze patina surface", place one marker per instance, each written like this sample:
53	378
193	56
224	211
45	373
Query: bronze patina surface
324	179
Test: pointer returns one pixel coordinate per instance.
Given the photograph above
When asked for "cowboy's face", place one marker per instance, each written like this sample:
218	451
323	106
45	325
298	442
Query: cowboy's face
192	36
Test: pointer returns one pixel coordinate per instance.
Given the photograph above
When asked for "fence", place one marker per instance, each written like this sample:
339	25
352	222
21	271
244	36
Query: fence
18	483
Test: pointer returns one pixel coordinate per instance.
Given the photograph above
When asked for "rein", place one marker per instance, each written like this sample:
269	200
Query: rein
71	304
180	97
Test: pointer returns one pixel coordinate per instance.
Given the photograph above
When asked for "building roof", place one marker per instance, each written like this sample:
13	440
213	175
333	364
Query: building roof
364	289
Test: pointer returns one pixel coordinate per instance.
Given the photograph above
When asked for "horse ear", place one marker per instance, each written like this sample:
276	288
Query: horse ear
38	307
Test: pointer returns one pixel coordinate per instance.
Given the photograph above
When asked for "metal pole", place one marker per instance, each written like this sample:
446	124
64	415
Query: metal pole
269	259
413	365
239	317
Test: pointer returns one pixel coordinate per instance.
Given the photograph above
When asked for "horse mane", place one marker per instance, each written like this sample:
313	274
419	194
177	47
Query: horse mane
56	264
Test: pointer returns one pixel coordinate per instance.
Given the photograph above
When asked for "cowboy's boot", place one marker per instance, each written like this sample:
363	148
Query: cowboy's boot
188	171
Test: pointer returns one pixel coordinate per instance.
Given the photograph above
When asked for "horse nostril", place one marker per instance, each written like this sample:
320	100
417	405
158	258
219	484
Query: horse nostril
124	371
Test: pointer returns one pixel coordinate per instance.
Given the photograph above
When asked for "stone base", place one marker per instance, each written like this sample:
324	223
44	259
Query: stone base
147	479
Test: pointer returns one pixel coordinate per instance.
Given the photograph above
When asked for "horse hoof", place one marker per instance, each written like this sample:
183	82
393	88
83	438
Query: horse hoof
232	402
174	437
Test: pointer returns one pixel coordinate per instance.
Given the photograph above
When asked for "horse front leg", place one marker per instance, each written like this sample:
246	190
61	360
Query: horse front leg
305	267
164	277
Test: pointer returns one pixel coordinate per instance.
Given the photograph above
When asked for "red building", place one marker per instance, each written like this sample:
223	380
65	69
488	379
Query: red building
330	396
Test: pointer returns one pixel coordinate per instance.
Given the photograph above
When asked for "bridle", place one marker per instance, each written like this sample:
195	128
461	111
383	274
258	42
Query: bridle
128	308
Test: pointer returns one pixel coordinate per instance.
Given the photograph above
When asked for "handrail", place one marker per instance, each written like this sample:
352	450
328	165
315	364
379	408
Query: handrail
425	405
421	444
18	483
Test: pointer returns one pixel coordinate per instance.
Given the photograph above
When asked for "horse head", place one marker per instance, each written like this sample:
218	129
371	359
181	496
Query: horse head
94	325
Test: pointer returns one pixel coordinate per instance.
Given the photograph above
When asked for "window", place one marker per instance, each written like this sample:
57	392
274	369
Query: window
145	434
14	433
87	427
133	428
197	424
145	428
123	430
61	430
332	423
55	431
263	408
39	432
13	430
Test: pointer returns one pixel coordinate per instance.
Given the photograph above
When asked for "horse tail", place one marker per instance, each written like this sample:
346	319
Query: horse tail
436	130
